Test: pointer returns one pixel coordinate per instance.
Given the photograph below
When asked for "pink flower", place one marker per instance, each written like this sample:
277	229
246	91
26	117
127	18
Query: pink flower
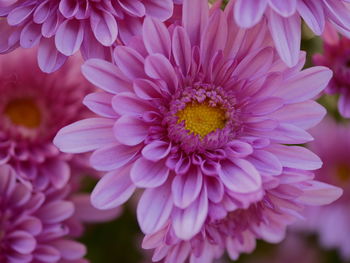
336	56
284	20
33	225
195	113
33	107
285	197
332	222
62	27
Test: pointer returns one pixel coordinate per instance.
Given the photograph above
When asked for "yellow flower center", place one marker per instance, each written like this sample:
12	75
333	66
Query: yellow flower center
343	172
202	119
24	112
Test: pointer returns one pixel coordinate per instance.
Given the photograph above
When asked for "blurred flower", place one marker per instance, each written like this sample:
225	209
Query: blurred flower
286	196
33	224
200	116
332	143
33	107
336	56
62	27
284	20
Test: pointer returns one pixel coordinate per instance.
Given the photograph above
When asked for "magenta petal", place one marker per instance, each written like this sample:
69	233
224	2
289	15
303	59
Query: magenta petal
148	174
85	135
49	59
159	9
21	241
105	27
58	171
188	222
69	36
30	35
249	12
156	37
156	150
55	212
45	253
113	157
286	33
318	193
154	208
181	47
69	249
296	157
105	75
186	187
239	177
130	130
114	189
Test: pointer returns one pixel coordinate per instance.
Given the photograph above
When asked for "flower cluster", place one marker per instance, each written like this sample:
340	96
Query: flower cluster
204	109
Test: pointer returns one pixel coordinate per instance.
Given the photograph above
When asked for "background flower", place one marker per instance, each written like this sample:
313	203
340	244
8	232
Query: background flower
33	107
284	20
62	27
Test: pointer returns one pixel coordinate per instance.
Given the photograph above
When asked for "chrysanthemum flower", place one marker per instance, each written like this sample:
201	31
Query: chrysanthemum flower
284	20
33	107
33	225
286	196
332	222
336	56
61	27
202	110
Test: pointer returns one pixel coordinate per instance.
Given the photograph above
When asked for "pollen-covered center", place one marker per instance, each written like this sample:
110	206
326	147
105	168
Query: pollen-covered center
23	112
201	118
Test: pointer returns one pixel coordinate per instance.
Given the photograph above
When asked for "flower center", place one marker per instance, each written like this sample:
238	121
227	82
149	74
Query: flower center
23	112
343	172
202	119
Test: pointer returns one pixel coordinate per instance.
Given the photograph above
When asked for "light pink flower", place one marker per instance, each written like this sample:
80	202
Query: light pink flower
284	20
285	198
331	222
33	107
336	56
33	225
195	113
62	27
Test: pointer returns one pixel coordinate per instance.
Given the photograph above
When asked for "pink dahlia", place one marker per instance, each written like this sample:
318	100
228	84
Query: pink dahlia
286	195
284	20
336	56
62	27
33	107
198	110
332	222
33	225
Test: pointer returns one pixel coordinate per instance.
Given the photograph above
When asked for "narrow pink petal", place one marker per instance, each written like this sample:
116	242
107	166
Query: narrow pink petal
106	76
181	47
130	130
21	241
195	17
104	26
58	171
318	193
148	174
344	104
69	249
85	135
286	33
113	189
113	157
284	8
69	36
249	12
186	187
305	85
130	62
101	104
188	222
296	157
46	253
49	59
156	37
127	103
159	67
55	212
30	35
313	14
154	208
159	9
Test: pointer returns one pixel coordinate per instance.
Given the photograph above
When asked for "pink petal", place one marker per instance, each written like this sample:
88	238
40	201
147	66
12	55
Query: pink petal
55	212
101	104
130	130
104	26
130	62
58	171
285	8
249	12
156	150
49	59
127	103
45	253
85	135
22	242
148	174
186	187
318	193
156	37
312	13
188	222
69	37
113	189
159	9
69	249
113	157
181	47
154	208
